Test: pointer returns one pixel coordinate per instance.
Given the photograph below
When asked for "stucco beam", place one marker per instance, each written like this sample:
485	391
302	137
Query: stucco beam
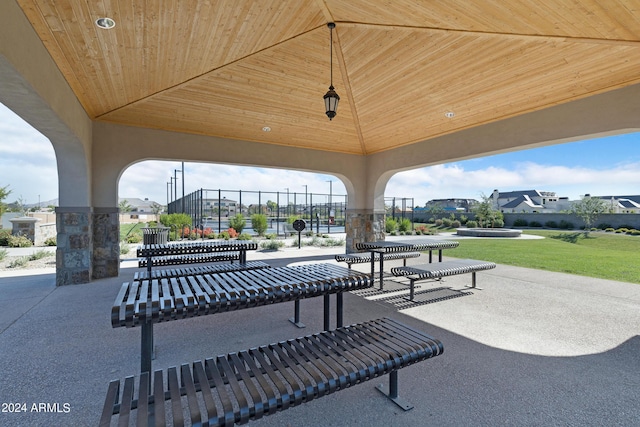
116	147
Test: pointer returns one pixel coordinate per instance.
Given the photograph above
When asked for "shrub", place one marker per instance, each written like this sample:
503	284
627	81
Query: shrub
193	235
237	223
208	233
244	236
224	235
609	230
438	223
520	222
4	237
51	241
271	245
446	222
271	236
19	262
404	225
134	238
463	219
39	255
232	233
604	226
455	224
565	225
551	224
19	242
535	224
390	225
634	232
152	224
124	248
259	223
3	254
472	224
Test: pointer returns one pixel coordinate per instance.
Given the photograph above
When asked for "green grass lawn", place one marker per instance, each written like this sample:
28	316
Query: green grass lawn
601	255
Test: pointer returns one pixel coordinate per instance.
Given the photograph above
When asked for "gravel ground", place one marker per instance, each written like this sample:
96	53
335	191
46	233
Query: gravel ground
10	263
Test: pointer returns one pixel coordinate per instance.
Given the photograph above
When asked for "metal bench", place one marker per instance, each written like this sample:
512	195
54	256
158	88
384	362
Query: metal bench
204	269
160	261
441	269
193	253
360	258
247	385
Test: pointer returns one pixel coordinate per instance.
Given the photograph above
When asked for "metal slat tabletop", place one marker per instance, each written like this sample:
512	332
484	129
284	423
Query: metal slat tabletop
146	302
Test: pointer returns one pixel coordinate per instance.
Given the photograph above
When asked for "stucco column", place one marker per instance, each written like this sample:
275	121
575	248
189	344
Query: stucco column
74	253
106	242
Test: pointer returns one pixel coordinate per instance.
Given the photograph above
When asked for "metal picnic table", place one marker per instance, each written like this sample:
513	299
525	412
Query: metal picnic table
382	246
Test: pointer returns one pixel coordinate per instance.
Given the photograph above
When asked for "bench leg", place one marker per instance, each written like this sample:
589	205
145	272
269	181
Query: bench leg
411	289
327	312
393	392
296	316
146	347
473	281
339	305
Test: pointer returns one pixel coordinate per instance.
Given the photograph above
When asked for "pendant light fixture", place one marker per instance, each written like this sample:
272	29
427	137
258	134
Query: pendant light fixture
331	98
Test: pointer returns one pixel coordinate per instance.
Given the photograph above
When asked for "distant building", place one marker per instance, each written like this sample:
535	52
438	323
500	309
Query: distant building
622	204
529	201
224	206
138	205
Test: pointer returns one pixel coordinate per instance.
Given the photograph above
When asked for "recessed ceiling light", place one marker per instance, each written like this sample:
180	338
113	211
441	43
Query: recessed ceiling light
105	23
449	114
266	129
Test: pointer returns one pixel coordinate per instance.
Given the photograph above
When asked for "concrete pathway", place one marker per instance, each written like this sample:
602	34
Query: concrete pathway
531	348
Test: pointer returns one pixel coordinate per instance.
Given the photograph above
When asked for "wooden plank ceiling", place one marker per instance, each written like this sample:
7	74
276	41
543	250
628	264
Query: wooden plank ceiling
231	67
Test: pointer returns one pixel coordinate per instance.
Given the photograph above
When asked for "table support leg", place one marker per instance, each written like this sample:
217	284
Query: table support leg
146	347
339	315
296	315
393	392
381	270
327	312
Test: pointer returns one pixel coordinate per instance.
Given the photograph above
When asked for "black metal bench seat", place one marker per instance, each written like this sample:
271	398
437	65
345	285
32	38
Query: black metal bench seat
203	269
360	258
442	269
238	387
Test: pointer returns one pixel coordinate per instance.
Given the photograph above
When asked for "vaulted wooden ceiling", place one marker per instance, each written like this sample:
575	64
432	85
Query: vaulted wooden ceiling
230	68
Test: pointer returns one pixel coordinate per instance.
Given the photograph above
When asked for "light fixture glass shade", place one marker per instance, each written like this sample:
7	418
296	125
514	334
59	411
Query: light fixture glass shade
331	99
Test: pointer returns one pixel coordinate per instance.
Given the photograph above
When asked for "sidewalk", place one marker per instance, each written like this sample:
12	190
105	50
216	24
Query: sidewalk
531	348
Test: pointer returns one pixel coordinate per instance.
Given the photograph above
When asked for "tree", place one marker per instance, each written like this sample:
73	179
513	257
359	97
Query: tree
4	193
237	222
273	206
589	209
259	223
486	215
156	208
125	206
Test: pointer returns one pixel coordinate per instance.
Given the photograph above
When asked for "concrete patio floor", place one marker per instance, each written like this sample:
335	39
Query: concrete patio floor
530	348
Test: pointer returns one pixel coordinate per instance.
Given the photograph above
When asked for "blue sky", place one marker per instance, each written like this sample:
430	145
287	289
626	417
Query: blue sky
604	166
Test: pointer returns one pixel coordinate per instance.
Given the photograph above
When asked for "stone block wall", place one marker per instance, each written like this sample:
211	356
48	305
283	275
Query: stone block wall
75	245
363	226
106	243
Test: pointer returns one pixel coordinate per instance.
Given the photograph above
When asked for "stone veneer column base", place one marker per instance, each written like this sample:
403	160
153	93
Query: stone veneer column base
74	245
363	225
106	242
